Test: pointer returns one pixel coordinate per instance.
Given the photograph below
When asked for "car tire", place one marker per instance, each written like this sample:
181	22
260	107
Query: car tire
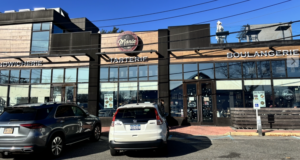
113	152
96	134
56	146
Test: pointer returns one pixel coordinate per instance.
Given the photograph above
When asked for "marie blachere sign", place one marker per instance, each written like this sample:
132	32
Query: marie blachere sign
271	53
127	41
128	59
21	64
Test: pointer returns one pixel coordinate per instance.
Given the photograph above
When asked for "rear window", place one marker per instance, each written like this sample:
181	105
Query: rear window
136	113
24	114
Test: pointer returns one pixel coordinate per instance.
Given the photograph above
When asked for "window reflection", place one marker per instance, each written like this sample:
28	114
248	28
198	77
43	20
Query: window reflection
4	76
190	71
278	69
153	72
249	70
206	71
263	69
14	76
221	70
123	73
3	97
46	75
82	95
18	94
71	74
113	74
40	42
108	99
175	71
58	76
35	76
25	76
143	75
40	93
287	93
104	74
259	91
56	29
293	71
133	73
127	93
235	70
148	92
176	98
83	74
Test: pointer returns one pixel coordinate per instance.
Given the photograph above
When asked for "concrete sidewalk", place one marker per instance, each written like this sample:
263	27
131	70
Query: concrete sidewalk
219	131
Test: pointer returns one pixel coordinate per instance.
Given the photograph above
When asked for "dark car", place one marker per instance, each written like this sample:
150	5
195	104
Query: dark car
49	127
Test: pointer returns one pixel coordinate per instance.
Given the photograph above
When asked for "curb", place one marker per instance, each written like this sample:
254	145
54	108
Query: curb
282	134
243	134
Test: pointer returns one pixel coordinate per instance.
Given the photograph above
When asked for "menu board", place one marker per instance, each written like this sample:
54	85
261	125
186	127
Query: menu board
259	96
108	100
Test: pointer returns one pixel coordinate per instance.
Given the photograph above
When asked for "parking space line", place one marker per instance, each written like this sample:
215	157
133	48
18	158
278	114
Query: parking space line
296	137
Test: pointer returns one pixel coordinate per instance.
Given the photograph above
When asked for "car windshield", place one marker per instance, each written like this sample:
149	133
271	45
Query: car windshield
24	114
136	113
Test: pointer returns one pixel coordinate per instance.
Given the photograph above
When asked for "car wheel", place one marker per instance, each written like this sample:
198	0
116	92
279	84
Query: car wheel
96	134
113	152
56	146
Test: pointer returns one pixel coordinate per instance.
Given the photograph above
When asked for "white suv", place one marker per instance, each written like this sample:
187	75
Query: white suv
138	127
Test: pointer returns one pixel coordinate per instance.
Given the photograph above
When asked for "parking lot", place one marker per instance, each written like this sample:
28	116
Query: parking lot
183	146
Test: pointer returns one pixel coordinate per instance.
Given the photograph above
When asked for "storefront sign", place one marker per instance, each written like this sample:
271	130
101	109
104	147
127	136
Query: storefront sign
259	98
128	59
287	94
264	53
108	100
127	41
21	64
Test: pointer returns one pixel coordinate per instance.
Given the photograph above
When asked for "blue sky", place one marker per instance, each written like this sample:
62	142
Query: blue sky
99	9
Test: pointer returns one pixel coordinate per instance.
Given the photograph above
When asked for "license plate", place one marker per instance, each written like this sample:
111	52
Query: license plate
135	127
8	131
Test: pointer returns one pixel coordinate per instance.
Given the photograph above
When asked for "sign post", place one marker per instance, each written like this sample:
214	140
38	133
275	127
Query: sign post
256	106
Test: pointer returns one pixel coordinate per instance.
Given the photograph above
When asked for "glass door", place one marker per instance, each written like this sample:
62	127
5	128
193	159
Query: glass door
65	93
206	103
191	102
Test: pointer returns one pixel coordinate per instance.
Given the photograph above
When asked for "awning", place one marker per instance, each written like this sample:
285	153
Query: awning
50	59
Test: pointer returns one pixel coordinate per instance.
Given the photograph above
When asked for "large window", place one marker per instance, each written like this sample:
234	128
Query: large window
71	74
221	70
18	94
249	70
83	74
58	76
127	93
278	69
40	93
263	69
258	91
35	75
287	93
176	98
104	74
148	92
40	38
176	71
206	71
82	95
190	71
4	76
108	99
25	76
235	70
3	97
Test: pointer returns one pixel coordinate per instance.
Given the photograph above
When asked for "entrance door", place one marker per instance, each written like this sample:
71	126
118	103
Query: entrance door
199	103
65	93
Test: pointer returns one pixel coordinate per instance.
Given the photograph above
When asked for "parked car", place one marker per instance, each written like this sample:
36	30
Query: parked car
50	127
138	127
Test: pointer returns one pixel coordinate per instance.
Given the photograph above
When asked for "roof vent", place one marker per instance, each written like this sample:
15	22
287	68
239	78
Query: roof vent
39	9
10	11
24	10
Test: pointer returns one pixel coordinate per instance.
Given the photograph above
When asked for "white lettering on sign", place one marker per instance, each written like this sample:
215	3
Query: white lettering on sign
130	59
21	64
125	42
294	52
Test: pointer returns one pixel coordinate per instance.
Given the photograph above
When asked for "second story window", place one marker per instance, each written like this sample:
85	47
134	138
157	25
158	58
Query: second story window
40	38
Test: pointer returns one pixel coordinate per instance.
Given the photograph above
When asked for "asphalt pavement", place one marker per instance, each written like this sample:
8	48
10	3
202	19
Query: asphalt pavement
183	146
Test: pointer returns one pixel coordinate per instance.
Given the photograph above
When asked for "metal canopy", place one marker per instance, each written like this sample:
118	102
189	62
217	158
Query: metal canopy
51	59
103	53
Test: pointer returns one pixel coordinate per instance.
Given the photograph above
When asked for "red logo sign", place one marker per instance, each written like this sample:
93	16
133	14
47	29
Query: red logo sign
127	41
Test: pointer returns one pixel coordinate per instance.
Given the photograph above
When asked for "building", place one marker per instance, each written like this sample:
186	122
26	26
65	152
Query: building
48	57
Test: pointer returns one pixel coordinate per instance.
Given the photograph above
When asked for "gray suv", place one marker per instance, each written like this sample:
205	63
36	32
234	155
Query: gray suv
50	127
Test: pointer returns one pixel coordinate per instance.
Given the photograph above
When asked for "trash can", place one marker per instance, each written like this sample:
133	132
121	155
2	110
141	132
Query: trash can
271	119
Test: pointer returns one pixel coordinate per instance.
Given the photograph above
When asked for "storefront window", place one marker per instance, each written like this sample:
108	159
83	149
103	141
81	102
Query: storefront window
229	95
278	69
25	76
176	98
3	98
58	76
71	74
249	70
133	73
287	93
148	92
143	73
14	76
153	72
263	69
293	71
83	74
35	76
108	99
83	95
113	74
4	76
206	71
235	70
40	93
127	93
104	74
190	71
40	38
258	91
18	94
46	76
123	73
175	71
221	70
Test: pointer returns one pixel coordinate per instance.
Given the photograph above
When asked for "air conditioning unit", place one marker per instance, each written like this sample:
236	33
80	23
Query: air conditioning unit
10	11
24	10
39	9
